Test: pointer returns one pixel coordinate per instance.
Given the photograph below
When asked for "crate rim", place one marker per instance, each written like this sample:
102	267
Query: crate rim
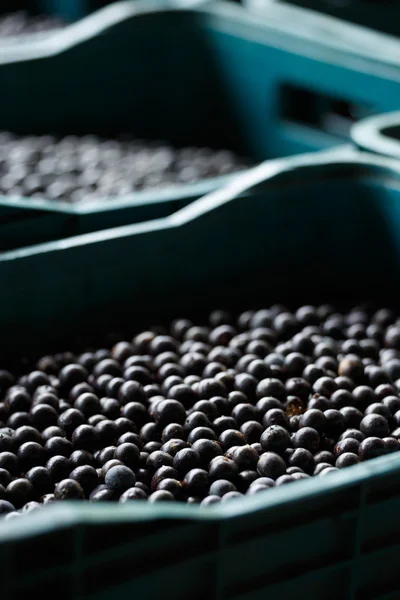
68	514
368	134
326	31
318	26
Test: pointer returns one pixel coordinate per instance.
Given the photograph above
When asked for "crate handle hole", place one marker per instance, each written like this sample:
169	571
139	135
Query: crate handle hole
320	111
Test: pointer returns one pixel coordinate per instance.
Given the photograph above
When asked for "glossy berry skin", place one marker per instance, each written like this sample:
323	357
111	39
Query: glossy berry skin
6	507
302	458
307	438
371	447
271	465
132	494
196	482
19	492
68	489
161	496
313	418
245	457
347	459
222	468
275	439
119	478
87	478
40	479
374	425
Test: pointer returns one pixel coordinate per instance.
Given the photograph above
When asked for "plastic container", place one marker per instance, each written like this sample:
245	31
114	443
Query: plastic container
382	16
380	134
24	222
199	74
300	229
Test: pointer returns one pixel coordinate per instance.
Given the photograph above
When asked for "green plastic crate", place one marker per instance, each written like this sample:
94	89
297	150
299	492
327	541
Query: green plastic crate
300	229
381	15
204	73
380	134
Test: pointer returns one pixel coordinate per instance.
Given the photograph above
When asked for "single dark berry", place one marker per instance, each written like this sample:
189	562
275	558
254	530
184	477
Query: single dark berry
378	408
159	459
58	467
70	420
392	444
352	416
374	425
85	437
31	454
161	496
161	474
133	493
347	459
307	438
275	439
352	433
271	387
208	449
276	416
119	478
6	507
43	415
346	445
371	447
185	460
50	432
19	492
68	489
231	437
102	494
87	478
201	433
271	465
40	479
72	374
196	482
313	418
335	423
9	462
392	403
363	396
251	431
245	457
222	468
110	408
128	454
303	459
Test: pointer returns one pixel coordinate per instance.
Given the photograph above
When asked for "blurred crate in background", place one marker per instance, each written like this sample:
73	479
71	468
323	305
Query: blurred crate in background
381	15
379	134
208	74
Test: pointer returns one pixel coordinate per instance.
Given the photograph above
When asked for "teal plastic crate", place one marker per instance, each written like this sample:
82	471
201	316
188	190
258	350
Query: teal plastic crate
205	73
380	134
299	229
25	221
381	15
